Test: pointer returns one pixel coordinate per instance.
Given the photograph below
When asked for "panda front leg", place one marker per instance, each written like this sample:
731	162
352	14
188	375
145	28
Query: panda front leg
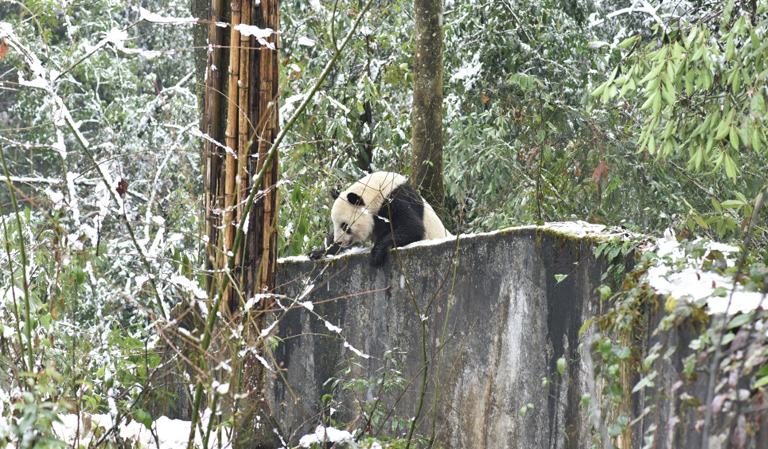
400	237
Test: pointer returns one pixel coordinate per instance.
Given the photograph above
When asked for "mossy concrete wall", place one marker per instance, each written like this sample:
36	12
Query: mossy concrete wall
497	321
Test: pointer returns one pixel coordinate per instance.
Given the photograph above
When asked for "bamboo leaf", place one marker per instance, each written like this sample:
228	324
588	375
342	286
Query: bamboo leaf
729	48
730	167
628	41
649	102
700	221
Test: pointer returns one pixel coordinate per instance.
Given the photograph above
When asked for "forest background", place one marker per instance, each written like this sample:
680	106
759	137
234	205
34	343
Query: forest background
648	115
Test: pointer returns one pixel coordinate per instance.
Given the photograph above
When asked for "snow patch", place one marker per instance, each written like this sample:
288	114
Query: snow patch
331	327
468	72
259	33
356	351
171	433
306	42
691	283
157	18
189	285
325	435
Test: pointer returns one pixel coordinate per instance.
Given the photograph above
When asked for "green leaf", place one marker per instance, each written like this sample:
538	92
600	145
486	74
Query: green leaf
653	73
628	41
724	127
561	365
732	204
669	93
729	48
630	85
143	417
585	399
599	89
730	167
756	139
581	330
689	76
624	353
614	430
698	53
737	80
677	51
700	221
646	381
734	138
757	105
560	277
745	133
740	320
691	36
45	320
657	104
649	102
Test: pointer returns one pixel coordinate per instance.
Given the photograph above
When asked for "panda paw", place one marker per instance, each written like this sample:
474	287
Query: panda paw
378	256
316	254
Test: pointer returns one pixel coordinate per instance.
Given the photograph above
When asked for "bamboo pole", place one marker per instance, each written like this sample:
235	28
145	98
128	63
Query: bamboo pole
231	141
212	154
243	127
268	69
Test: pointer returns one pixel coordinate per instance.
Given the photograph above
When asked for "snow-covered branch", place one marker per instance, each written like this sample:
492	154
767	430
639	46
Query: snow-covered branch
638	6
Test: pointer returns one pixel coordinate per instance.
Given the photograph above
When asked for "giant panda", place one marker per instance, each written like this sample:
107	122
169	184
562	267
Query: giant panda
384	207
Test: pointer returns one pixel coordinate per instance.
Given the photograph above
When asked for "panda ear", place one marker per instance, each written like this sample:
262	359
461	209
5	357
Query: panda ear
355	199
334	194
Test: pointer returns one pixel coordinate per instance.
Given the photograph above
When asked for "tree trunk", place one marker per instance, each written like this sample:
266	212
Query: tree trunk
240	117
427	116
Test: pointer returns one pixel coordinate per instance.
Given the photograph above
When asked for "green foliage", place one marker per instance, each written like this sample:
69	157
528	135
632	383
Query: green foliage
386	388
701	102
624	369
696	89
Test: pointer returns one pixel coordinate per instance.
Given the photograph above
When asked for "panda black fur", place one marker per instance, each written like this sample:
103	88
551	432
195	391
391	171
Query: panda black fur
384	207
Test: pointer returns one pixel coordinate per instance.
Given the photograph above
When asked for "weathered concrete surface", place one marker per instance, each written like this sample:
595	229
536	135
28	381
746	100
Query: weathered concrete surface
507	323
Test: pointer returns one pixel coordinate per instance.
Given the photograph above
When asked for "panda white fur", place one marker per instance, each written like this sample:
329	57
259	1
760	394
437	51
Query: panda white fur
382	206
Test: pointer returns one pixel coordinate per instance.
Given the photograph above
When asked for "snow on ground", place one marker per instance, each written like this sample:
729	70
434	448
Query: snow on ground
325	435
171	433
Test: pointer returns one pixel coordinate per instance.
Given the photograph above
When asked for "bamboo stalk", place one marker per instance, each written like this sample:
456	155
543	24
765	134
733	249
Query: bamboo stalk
243	127
267	93
230	172
212	153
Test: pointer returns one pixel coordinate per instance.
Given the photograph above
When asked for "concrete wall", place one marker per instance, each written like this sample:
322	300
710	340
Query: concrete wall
507	323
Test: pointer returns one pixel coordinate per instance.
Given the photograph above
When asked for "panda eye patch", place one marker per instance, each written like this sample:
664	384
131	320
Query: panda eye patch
344	226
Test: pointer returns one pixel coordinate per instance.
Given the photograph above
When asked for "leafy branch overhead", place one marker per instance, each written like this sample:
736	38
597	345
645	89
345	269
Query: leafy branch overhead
698	89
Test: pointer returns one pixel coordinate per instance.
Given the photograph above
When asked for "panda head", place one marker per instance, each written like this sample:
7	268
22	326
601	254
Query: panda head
352	221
